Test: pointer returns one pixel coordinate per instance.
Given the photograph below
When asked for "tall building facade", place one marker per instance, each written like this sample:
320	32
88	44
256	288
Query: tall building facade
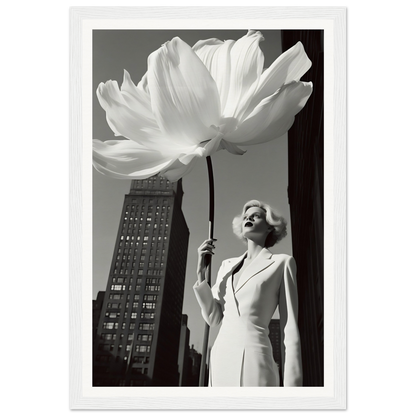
276	339
183	356
139	329
97	307
195	368
306	192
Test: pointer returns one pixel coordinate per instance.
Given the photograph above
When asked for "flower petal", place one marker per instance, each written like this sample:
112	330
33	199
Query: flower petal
126	159
215	54
125	120
246	60
178	170
208	148
273	116
185	99
137	98
288	67
232	148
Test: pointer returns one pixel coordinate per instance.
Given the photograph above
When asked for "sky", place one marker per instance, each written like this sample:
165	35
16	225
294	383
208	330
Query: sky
261	173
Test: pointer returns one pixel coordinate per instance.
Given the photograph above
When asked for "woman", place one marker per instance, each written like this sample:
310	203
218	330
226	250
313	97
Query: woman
244	298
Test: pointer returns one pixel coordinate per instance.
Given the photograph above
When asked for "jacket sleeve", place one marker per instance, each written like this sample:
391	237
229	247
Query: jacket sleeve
210	300
288	308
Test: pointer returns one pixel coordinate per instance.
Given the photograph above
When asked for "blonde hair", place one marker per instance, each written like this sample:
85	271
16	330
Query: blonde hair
278	223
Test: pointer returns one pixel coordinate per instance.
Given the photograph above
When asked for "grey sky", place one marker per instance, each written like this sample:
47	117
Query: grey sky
261	173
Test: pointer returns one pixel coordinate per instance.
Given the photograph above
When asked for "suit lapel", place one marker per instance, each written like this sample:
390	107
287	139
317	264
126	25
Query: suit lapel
228	273
233	263
261	262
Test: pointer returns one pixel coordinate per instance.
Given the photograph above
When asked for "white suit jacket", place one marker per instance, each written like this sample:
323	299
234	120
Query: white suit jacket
242	352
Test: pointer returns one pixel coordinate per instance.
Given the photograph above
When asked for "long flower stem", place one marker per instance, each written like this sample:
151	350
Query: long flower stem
208	268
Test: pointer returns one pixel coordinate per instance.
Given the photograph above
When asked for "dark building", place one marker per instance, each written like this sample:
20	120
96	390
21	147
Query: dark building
140	324
183	356
195	367
97	306
305	192
275	339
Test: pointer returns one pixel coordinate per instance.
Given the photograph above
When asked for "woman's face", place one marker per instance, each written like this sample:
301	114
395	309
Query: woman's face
254	224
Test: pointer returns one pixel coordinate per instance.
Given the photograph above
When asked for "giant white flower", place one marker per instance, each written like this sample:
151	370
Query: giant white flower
195	101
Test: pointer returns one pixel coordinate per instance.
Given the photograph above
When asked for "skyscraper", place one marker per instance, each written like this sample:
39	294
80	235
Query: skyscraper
139	328
183	357
276	339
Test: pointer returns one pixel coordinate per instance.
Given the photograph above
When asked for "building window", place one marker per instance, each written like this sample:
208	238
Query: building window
142	348
144	337
112	315
134	315
113	305
108	337
152	288
146	326
118	287
146	315
141	359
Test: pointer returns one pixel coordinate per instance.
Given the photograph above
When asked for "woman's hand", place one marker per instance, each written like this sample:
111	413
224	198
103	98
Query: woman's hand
204	250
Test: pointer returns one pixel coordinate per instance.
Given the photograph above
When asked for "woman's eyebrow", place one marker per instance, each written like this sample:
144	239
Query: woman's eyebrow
254	213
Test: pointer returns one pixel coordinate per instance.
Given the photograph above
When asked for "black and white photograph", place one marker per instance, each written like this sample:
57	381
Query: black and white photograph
151	207
207	259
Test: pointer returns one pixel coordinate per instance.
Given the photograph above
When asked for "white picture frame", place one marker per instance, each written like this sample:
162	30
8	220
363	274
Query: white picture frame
82	21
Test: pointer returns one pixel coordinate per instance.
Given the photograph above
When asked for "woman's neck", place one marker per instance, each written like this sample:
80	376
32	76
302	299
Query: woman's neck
253	249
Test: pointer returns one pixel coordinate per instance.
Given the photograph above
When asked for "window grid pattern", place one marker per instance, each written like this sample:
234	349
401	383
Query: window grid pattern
137	273
141	251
